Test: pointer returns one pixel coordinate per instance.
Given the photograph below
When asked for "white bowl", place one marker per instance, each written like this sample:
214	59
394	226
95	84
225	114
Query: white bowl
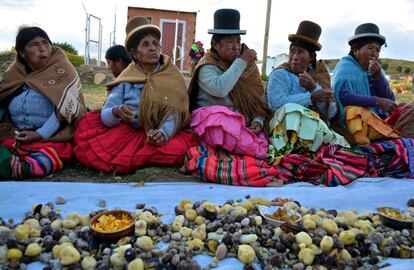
267	211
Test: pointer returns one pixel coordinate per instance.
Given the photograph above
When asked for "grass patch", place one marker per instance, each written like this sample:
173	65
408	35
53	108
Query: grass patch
95	95
404	97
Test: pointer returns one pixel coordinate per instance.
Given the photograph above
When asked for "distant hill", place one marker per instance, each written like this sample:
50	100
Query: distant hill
393	67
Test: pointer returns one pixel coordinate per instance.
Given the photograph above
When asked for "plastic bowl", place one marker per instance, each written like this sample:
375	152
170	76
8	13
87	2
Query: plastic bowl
267	211
118	214
395	223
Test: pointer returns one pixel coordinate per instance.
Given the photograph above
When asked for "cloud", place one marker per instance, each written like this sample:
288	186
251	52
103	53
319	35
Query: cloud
400	42
12	4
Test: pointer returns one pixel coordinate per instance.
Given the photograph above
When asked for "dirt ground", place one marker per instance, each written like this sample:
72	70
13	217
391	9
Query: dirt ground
78	173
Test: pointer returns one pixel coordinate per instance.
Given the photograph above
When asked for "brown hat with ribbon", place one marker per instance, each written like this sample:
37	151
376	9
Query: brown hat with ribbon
308	32
137	26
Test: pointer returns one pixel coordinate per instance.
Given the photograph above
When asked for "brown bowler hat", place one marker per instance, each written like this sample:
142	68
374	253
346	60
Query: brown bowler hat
138	25
308	32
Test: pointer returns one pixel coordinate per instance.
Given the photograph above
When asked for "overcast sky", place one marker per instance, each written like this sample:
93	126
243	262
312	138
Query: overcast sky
64	21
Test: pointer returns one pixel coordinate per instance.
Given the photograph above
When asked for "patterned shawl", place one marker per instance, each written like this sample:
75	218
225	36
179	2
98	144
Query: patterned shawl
247	95
58	81
164	94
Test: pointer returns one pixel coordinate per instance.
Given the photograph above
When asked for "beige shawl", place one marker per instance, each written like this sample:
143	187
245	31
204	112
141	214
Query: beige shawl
164	94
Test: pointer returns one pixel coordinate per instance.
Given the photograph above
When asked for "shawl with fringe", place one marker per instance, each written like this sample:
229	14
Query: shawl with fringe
164	94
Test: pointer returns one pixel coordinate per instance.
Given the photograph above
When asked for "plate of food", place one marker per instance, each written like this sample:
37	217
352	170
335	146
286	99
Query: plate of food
394	218
278	215
112	224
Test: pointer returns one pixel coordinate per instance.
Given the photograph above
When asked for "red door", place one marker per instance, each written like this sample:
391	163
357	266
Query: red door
168	38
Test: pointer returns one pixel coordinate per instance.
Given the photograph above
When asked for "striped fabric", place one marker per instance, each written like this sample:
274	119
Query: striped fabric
391	158
216	165
23	163
332	165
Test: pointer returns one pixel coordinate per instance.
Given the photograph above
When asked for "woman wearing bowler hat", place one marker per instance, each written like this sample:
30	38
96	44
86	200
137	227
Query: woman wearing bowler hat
301	98
362	90
226	92
145	113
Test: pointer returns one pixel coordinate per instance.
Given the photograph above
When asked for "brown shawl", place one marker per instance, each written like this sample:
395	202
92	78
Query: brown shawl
247	95
164	94
320	74
58	81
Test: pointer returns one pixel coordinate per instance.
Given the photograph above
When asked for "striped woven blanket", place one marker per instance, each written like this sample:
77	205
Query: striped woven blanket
18	163
332	165
391	158
216	165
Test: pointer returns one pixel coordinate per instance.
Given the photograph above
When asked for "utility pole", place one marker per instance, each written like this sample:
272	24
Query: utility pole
176	38
112	37
266	36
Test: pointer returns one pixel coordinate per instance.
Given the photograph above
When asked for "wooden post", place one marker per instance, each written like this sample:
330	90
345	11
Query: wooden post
266	36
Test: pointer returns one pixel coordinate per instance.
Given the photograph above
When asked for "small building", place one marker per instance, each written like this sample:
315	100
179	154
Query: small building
167	21
273	62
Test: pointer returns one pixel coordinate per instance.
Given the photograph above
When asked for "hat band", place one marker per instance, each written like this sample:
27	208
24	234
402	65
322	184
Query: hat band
226	31
367	35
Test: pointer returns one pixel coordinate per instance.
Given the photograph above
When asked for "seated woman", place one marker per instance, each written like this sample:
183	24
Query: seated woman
41	95
226	93
364	94
300	96
117	58
142	120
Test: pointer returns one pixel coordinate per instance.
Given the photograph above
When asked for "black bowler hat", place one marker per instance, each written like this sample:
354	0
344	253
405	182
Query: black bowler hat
308	32
227	22
367	31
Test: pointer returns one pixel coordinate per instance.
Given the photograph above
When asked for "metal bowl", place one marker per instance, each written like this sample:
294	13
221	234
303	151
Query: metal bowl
395	223
267	211
118	214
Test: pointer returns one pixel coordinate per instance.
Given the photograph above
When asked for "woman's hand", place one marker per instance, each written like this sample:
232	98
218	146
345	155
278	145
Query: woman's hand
325	95
124	112
256	128
375	68
306	81
27	136
386	104
155	137
248	55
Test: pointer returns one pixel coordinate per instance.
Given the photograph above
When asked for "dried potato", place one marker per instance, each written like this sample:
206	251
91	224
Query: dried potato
112	223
